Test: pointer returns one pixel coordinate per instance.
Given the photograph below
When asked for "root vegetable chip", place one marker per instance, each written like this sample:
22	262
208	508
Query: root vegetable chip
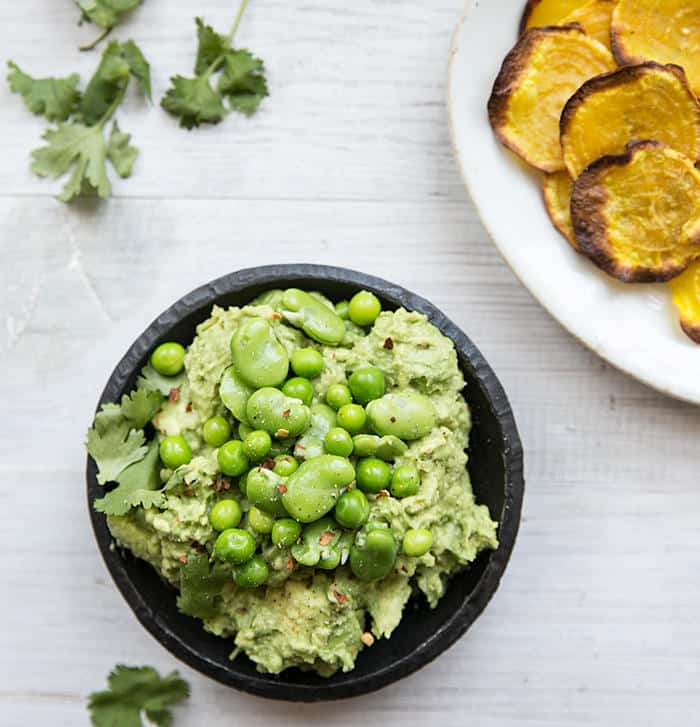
594	16
636	215
667	31
539	74
557	189
686	297
648	101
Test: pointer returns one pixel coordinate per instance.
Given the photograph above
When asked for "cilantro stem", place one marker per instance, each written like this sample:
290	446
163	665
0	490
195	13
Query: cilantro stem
110	111
228	39
97	41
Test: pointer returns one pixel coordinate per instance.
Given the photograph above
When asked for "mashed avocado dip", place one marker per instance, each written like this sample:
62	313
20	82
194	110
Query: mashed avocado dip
327	518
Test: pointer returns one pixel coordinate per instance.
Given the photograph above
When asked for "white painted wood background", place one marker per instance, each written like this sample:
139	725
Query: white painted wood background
348	163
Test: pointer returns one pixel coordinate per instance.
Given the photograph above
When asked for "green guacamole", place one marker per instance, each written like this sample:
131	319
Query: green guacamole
304	616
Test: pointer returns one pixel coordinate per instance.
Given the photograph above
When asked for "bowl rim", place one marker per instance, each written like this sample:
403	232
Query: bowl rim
270	686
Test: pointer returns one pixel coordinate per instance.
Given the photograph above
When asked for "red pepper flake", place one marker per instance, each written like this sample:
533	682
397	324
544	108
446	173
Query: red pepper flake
352	484
382	493
389	344
286	413
282	488
290	564
174	394
188	492
326	537
333	356
300	446
392	419
340	597
268	464
225	485
183	559
276	316
188	408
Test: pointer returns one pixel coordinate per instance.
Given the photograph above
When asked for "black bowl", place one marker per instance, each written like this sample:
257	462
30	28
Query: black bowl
495	465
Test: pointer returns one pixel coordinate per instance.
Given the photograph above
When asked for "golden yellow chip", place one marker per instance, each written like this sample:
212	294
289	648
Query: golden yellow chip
686	297
537	77
648	101
541	13
636	215
595	17
557	189
667	31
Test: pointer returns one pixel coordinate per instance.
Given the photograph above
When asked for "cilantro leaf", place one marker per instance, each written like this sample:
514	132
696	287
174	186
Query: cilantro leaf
138	66
106	13
139	485
243	81
114	444
151	380
140	406
75	144
54	98
107	85
133	690
194	101
211	46
120	152
200	586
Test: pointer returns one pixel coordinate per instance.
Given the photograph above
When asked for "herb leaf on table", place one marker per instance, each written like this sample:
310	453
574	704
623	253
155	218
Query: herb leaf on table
54	98
105	14
241	80
134	691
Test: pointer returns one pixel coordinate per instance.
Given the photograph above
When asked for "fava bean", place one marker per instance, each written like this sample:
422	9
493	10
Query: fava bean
263	491
317	320
261	521
273	298
313	489
258	357
407	415
374	554
314	537
234	392
269	409
310	445
371	445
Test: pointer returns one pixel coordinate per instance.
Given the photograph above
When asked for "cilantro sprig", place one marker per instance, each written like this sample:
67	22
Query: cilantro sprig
78	142
106	14
134	692
226	79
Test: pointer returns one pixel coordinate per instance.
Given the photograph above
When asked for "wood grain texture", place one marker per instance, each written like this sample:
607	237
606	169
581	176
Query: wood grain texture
348	164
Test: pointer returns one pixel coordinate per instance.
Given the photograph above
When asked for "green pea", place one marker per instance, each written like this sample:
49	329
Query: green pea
285	464
257	445
299	388
307	362
387	448
407	415
174	452
263	491
252	574
258	357
373	475
373	555
285	532
338	441
352	509
317	320
262	522
225	514
310	445
234	546
216	431
338	395
417	542
405	481
342	309
367	384
314	488
279	415
232	458
168	359
352	417
243	483
364	308
234	393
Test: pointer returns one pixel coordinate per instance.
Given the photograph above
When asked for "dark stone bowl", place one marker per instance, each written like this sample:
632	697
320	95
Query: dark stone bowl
495	465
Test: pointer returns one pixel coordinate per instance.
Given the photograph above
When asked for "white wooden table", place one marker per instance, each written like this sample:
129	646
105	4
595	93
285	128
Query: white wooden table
348	163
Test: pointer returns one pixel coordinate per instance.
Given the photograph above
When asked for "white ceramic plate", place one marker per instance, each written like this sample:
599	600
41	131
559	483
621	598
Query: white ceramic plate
634	327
